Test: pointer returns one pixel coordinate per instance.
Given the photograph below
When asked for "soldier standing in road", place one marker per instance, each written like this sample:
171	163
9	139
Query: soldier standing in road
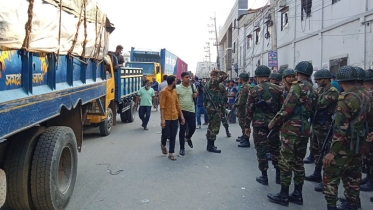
241	108
215	100
348	143
221	77
264	101
295	132
327	97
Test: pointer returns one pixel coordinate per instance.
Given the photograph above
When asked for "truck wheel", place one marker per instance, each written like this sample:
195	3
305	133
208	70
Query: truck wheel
2	187
54	168
107	125
131	112
123	116
18	165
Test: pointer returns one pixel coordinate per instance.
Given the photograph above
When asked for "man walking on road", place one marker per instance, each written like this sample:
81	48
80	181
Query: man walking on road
146	94
170	114
186	94
200	109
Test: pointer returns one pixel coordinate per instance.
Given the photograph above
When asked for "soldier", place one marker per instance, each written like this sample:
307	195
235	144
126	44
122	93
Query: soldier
263	103
295	132
281	71
349	141
241	108
216	97
327	97
221	77
275	78
288	77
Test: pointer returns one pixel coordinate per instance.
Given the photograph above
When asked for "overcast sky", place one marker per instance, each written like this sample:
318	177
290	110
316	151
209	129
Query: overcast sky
180	26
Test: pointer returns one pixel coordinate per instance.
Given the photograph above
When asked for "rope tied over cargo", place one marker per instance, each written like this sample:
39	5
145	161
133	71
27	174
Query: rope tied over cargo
77	29
85	27
28	26
59	34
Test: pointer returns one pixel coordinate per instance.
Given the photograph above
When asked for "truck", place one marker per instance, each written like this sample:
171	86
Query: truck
157	63
55	78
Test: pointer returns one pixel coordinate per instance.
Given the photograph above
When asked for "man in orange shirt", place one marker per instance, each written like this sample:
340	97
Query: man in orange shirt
170	112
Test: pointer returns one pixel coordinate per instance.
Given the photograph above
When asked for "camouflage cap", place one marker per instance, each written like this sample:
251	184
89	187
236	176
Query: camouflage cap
368	75
288	72
360	73
262	71
275	76
322	74
346	73
304	67
244	76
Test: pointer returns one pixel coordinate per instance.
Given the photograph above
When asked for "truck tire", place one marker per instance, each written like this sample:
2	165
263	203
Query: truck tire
123	117
54	168
107	125
18	166
131	112
2	187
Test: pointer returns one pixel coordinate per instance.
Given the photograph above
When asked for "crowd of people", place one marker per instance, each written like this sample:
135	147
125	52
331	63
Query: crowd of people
284	111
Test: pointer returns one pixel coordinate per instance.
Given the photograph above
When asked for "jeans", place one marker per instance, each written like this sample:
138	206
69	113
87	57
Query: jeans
190	121
169	132
232	117
201	110
144	114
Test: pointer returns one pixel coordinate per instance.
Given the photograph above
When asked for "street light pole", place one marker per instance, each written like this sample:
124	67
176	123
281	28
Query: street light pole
217	46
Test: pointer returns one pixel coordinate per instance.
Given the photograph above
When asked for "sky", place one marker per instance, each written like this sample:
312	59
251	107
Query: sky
180	26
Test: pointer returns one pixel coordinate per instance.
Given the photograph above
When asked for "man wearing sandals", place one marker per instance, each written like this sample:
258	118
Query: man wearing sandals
170	113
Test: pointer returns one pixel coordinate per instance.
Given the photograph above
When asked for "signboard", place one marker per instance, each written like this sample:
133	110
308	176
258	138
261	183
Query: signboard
272	59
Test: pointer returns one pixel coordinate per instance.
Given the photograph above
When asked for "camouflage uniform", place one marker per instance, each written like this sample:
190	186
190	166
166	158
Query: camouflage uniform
223	76
263	103
349	142
295	132
241	108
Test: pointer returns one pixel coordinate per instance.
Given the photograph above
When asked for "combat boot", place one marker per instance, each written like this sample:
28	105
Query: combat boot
263	179
239	138
316	176
368	186
343	202
227	132
281	198
309	159
278	177
331	208
211	147
319	187
296	196
347	206
246	143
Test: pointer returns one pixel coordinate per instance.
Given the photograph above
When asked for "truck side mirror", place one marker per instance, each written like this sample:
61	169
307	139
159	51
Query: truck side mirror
157	69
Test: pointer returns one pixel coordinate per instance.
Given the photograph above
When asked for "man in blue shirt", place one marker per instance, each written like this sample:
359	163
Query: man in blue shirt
232	92
335	83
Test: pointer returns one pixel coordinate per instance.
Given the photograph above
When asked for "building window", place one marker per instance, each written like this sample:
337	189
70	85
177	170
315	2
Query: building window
284	19
257	36
336	64
249	41
335	1
306	8
234	47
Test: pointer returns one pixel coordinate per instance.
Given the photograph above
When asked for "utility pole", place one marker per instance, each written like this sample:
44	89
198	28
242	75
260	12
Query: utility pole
216	39
207	50
273	27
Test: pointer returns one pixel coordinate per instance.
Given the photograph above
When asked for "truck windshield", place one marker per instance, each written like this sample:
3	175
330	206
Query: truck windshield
147	68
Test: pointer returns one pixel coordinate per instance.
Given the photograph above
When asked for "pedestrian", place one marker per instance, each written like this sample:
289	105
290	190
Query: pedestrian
264	101
349	141
170	114
335	83
163	83
146	95
327	97
214	101
117	57
200	109
240	105
144	80
232	93
155	86
295	131
186	94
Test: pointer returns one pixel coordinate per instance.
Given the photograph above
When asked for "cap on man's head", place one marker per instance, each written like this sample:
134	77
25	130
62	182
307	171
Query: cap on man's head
214	73
119	47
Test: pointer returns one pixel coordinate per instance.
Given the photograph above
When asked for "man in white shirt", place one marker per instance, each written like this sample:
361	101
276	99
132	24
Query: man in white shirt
163	83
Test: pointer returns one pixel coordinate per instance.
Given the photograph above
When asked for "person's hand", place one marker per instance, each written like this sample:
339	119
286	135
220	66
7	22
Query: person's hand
247	131
270	126
163	123
328	159
195	95
182	120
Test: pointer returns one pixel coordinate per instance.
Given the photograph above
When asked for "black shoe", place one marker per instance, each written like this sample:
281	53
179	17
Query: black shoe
262	180
246	143
319	187
239	139
314	178
182	152
281	198
296	196
269	156
347	206
242	140
212	148
368	186
344	201
227	132
331	208
309	159
190	143
278	177
205	124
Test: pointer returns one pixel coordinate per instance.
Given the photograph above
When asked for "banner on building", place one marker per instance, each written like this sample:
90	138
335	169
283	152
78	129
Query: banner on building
272	59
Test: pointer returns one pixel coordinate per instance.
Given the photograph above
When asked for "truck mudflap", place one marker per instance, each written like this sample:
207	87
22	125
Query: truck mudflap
2	187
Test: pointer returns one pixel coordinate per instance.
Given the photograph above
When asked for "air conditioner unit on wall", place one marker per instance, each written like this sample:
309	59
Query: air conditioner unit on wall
282	3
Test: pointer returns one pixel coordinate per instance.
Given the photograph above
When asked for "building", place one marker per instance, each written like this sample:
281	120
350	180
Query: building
329	34
203	69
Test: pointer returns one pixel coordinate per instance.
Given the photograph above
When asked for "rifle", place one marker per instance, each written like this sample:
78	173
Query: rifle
327	142
213	103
